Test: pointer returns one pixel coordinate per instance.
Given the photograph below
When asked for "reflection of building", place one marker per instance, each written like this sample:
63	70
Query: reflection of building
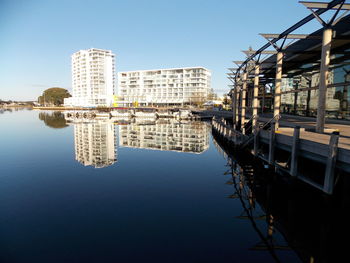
287	98
173	136
332	104
93	78
95	143
165	86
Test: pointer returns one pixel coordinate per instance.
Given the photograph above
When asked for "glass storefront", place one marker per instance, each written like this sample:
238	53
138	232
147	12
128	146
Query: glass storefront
300	91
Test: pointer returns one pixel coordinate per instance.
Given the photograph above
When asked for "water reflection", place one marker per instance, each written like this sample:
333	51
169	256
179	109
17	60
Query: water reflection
166	135
95	143
242	179
9	109
287	215
96	138
54	119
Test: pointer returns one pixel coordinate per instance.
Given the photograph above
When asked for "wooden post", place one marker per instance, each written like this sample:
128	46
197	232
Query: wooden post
330	165
294	160
256	141
272	144
263	99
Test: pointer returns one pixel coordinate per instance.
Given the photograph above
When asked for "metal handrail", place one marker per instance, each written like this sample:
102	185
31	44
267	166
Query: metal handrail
276	117
251	136
251	118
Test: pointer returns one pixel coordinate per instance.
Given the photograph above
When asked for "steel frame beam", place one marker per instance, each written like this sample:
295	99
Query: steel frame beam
285	33
323	5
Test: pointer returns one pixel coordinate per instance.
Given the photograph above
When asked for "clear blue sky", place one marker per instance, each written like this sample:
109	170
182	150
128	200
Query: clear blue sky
39	36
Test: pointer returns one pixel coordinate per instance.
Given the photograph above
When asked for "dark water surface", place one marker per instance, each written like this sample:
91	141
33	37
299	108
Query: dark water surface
102	192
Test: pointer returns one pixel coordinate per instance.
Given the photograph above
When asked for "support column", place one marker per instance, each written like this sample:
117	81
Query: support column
278	82
237	106
234	102
255	97
244	98
322	89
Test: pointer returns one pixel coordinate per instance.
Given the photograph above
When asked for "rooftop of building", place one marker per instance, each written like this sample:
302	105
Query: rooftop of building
148	70
93	50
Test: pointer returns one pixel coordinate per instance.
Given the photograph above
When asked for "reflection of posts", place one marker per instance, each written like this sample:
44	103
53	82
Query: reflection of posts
95	143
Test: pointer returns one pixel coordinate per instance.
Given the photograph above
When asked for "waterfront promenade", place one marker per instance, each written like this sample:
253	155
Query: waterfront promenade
286	120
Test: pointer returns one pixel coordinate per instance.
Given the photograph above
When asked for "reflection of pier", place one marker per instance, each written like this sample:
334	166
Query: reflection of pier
95	143
287	214
131	113
242	180
166	135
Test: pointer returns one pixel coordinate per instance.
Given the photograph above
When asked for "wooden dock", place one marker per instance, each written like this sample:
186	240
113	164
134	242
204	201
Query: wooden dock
330	151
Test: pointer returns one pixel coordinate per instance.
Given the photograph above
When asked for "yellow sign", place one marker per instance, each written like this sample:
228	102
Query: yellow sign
115	101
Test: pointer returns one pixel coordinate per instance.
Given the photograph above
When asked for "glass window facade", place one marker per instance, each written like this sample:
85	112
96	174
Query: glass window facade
300	91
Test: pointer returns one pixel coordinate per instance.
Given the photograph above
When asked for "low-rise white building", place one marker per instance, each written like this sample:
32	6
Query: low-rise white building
176	86
93	78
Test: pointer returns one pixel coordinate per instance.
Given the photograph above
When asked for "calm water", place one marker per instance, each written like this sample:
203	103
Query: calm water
101	192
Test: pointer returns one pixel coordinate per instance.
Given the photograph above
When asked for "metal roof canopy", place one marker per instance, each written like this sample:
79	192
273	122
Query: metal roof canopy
323	5
309	49
265	52
331	5
290	36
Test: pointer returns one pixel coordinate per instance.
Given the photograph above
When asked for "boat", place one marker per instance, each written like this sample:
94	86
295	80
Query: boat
102	114
143	114
121	114
183	114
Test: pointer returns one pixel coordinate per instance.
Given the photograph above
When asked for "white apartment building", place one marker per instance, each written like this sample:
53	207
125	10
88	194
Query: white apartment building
93	78
176	86
95	143
192	137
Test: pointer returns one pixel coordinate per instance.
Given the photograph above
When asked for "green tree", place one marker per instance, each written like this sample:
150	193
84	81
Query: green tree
53	96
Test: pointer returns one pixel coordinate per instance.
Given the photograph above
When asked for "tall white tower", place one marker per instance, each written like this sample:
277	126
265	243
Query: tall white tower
93	78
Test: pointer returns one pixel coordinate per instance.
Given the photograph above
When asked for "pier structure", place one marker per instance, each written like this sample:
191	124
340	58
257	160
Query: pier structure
290	150
289	59
305	75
